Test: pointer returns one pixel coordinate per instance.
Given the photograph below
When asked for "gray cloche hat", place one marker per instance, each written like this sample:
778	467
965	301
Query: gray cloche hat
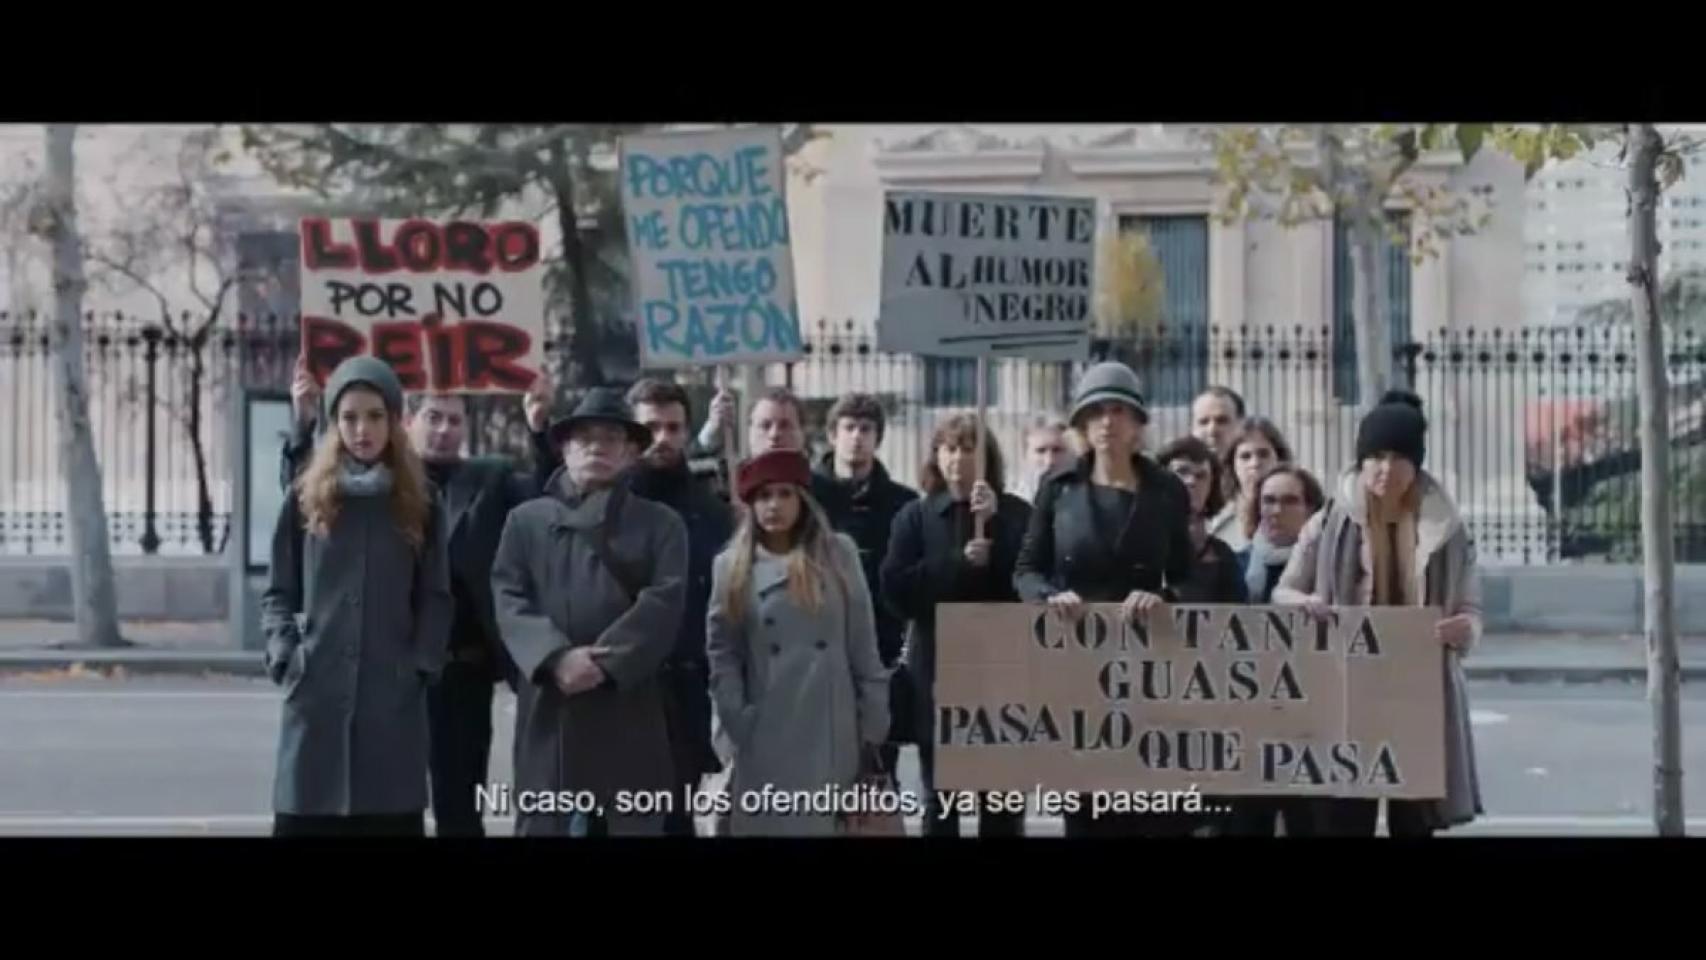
367	370
1105	381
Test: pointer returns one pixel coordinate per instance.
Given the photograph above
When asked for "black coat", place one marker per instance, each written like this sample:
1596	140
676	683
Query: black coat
926	565
1216	577
477	497
866	511
710	524
1067	549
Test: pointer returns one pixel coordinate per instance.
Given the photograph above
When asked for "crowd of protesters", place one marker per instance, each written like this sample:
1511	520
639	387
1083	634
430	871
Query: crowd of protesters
661	622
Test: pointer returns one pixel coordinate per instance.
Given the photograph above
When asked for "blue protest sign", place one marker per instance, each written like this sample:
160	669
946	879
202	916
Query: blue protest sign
713	270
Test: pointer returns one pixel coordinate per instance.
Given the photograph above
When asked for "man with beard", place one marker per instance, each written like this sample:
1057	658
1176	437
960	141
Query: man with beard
478	495
662	476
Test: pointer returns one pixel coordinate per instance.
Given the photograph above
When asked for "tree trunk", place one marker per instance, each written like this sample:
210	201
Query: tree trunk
192	427
1371	311
585	367
1664	674
92	587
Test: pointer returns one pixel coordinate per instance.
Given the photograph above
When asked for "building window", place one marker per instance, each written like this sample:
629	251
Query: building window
952	382
1346	382
1178	370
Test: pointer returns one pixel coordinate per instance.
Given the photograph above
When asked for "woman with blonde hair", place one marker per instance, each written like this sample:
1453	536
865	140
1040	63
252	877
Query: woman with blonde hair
357	619
1046	447
795	676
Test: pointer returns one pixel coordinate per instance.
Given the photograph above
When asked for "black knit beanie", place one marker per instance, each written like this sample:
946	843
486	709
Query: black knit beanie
1396	425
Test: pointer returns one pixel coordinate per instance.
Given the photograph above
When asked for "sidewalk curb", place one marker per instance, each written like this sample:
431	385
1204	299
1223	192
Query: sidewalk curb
247	663
1564	673
238	663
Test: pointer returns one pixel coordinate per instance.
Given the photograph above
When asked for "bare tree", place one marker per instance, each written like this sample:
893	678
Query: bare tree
1658	546
169	232
1653	165
55	220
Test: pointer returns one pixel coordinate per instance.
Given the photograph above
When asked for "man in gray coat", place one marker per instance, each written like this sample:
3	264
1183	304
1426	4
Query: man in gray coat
590	585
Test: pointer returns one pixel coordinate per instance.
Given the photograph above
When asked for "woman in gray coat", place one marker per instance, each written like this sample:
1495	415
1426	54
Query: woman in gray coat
1391	537
795	675
358	554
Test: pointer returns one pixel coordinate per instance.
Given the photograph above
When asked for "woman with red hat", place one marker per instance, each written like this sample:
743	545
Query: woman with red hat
795	676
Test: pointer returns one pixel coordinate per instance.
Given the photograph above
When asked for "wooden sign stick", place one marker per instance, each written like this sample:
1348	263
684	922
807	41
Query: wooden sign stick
731	436
982	403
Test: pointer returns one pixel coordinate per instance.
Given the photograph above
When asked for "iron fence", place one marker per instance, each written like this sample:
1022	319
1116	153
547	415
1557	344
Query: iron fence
1535	431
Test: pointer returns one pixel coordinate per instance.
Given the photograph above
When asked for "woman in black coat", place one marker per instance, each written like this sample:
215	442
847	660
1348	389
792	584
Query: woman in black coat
1115	529
1216	576
936	556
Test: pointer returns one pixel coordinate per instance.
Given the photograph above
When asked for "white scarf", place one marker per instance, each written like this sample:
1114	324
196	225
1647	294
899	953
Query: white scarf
1264	553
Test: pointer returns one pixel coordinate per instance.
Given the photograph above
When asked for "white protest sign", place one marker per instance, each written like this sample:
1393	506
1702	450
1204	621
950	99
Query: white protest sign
970	275
713	271
457	307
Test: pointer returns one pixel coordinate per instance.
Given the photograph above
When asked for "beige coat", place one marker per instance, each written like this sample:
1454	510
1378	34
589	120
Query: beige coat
1228	527
1332	560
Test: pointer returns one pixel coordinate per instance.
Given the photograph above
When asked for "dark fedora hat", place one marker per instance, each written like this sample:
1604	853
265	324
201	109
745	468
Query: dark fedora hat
602	405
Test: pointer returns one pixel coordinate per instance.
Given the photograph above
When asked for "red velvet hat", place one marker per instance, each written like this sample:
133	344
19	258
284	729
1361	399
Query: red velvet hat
776	466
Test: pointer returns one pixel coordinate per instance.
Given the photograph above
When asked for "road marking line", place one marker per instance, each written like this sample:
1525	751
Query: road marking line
1487	717
7	694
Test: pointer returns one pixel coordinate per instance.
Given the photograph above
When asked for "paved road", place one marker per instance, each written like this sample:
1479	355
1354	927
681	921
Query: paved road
194	756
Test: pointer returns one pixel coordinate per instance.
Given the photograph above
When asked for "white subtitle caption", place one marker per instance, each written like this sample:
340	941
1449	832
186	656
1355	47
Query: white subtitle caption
863	800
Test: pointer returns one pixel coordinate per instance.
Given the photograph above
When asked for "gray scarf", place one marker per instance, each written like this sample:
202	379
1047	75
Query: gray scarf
357	479
1263	554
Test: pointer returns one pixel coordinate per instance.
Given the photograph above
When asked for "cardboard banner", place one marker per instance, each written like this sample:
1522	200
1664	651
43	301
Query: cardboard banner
708	237
1229	699
456	307
968	275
